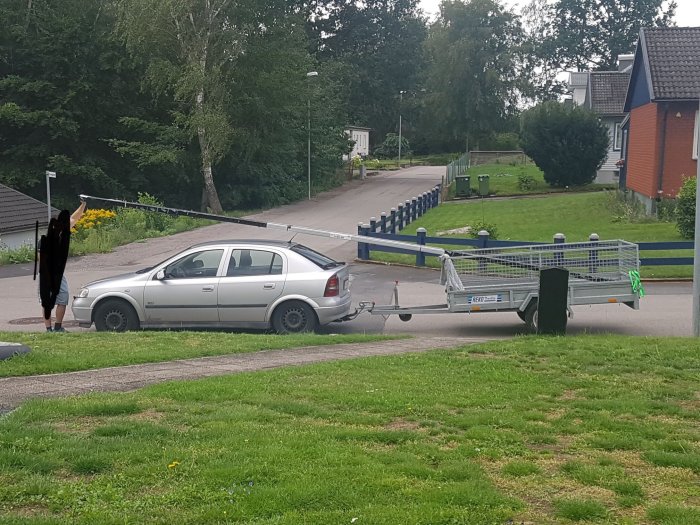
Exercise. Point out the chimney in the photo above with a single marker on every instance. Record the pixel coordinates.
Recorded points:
(624, 62)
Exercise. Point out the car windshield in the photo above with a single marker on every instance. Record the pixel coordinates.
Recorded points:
(318, 259)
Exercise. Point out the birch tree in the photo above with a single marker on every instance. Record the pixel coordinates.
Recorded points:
(188, 46)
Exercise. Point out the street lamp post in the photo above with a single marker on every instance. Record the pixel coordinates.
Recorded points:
(400, 104)
(49, 175)
(696, 253)
(308, 128)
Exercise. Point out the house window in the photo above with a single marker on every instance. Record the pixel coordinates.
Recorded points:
(696, 138)
(617, 138)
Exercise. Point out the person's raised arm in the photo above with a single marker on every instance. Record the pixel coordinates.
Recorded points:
(77, 214)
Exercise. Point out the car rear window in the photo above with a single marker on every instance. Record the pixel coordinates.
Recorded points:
(318, 259)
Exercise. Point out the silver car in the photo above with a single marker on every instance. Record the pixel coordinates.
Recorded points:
(226, 284)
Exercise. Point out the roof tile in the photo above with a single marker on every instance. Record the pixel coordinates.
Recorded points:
(608, 92)
(674, 62)
(19, 212)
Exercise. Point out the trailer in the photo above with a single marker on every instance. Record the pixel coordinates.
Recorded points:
(505, 279)
(508, 279)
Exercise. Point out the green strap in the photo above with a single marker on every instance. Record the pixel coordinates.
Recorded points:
(636, 283)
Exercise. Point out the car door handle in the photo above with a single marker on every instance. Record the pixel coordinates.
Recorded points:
(269, 286)
(207, 288)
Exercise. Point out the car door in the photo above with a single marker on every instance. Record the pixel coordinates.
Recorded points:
(253, 280)
(186, 295)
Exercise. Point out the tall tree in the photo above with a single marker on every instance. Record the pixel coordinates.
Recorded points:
(378, 44)
(64, 81)
(590, 34)
(188, 46)
(473, 78)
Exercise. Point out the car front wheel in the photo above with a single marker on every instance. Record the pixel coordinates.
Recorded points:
(115, 315)
(294, 317)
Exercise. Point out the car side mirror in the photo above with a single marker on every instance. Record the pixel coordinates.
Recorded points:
(160, 275)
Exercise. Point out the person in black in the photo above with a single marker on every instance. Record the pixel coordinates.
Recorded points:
(53, 254)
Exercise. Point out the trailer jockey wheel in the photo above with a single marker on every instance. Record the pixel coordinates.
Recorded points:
(405, 317)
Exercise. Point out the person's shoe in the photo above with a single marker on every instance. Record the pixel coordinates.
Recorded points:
(61, 329)
(49, 329)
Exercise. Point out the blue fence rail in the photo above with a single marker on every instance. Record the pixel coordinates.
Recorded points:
(398, 218)
(483, 241)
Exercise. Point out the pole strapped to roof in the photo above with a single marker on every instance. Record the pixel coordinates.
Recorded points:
(270, 225)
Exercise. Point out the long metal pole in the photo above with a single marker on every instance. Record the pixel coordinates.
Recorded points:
(48, 197)
(400, 104)
(308, 152)
(696, 260)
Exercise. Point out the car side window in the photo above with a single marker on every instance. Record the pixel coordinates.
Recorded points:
(194, 265)
(254, 262)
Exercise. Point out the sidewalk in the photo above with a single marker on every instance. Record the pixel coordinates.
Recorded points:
(16, 390)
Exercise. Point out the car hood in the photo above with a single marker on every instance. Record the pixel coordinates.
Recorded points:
(124, 278)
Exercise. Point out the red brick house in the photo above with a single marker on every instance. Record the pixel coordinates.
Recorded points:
(660, 133)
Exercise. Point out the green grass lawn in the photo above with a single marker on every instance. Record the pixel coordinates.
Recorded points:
(537, 219)
(53, 353)
(503, 180)
(533, 430)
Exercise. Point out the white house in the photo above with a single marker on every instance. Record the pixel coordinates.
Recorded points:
(18, 216)
(604, 93)
(360, 136)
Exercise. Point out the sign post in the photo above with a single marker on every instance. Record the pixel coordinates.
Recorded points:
(49, 175)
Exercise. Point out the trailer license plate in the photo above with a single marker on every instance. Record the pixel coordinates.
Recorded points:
(484, 299)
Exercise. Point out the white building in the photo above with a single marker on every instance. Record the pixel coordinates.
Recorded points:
(360, 136)
(18, 216)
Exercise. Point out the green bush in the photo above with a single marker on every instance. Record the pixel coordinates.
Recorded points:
(526, 182)
(157, 221)
(481, 225)
(568, 143)
(390, 147)
(685, 208)
(19, 255)
(625, 207)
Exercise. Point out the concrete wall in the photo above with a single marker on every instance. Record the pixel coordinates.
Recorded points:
(15, 240)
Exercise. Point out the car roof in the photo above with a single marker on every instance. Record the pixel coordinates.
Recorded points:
(247, 241)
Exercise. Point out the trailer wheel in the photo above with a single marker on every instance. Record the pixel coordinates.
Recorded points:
(530, 316)
(405, 317)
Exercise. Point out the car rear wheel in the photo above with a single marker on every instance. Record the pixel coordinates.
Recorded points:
(115, 315)
(294, 317)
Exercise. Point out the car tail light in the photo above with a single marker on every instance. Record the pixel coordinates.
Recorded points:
(332, 287)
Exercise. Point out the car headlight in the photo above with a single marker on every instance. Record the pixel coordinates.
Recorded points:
(83, 292)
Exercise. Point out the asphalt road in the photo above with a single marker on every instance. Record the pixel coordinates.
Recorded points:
(666, 310)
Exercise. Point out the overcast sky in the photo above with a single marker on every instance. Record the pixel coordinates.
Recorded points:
(687, 14)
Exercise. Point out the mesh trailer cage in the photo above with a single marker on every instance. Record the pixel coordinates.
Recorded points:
(595, 261)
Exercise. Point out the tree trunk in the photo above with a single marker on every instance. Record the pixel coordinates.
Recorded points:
(212, 195)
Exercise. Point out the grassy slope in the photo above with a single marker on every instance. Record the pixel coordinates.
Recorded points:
(537, 430)
(577, 215)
